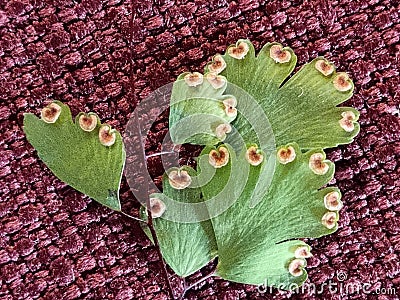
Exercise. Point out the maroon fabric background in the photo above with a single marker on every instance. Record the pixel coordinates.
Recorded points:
(57, 244)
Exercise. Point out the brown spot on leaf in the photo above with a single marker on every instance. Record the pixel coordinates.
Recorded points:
(286, 155)
(157, 207)
(239, 51)
(218, 158)
(342, 82)
(231, 102)
(217, 65)
(193, 79)
(332, 201)
(216, 81)
(107, 136)
(51, 112)
(296, 267)
(325, 67)
(317, 164)
(222, 130)
(230, 107)
(329, 219)
(254, 156)
(279, 55)
(347, 121)
(88, 122)
(179, 179)
(302, 252)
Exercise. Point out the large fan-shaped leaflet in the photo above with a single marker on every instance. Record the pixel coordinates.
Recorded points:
(301, 110)
(255, 245)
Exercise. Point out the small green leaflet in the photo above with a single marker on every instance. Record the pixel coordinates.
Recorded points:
(197, 109)
(301, 110)
(186, 247)
(256, 244)
(77, 157)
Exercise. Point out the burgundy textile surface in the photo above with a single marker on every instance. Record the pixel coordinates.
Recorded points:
(58, 244)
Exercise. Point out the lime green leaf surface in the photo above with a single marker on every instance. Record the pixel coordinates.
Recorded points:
(194, 117)
(197, 111)
(186, 247)
(268, 266)
(197, 120)
(77, 157)
(250, 240)
(303, 109)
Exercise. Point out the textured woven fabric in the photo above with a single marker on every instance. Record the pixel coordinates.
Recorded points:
(57, 244)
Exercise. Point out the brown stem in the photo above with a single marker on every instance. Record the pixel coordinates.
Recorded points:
(157, 246)
(150, 219)
(149, 224)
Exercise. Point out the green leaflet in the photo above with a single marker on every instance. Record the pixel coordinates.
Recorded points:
(197, 112)
(253, 244)
(77, 157)
(303, 109)
(268, 266)
(186, 247)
